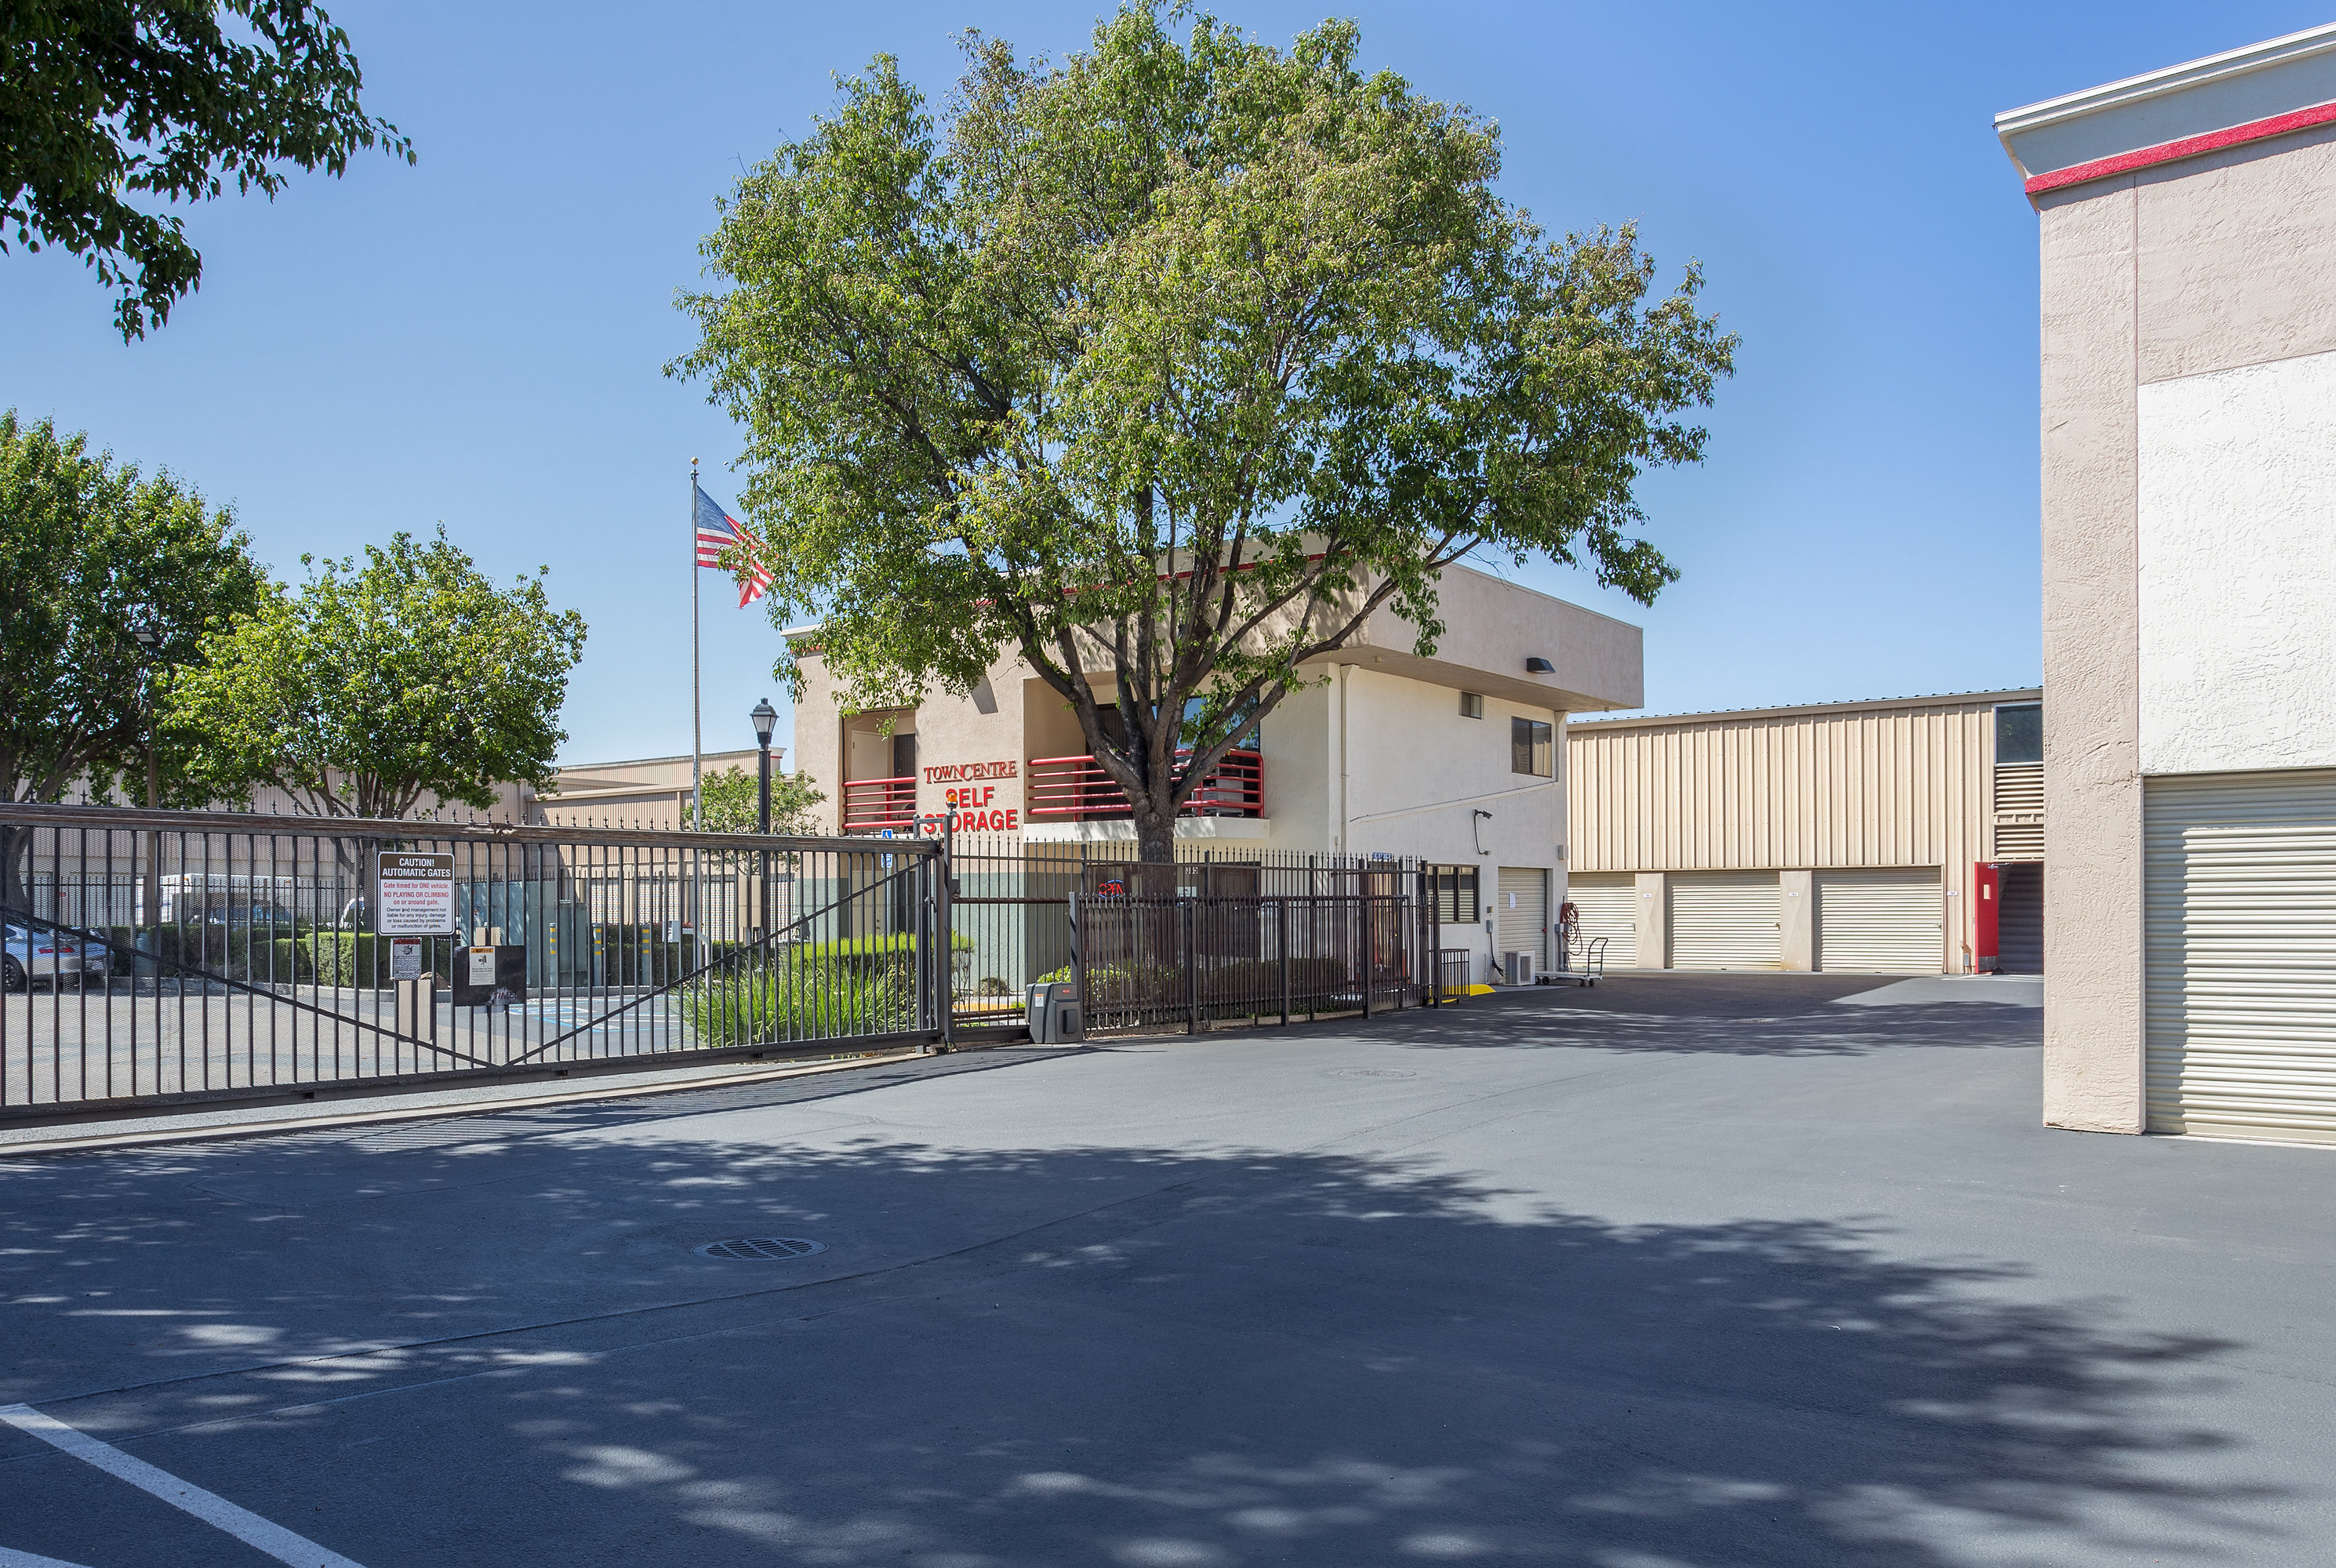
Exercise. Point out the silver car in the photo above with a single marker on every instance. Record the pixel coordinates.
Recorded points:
(28, 955)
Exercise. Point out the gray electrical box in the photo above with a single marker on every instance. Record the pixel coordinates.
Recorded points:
(1054, 1017)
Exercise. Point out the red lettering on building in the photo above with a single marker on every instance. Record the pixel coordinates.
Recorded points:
(953, 772)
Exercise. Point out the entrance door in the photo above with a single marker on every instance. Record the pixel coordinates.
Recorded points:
(1521, 914)
(2239, 883)
(1726, 920)
(2020, 918)
(1888, 919)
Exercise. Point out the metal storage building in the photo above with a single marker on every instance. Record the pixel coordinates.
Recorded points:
(1866, 836)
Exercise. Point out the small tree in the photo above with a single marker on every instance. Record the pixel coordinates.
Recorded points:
(732, 801)
(373, 685)
(104, 102)
(1165, 367)
(91, 554)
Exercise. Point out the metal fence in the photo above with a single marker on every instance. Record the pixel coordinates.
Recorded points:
(156, 957)
(1203, 940)
(152, 957)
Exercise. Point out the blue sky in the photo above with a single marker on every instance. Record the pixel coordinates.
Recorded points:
(478, 339)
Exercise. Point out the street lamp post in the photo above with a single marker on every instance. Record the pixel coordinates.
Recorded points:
(766, 718)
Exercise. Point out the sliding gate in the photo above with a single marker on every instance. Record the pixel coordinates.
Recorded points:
(160, 956)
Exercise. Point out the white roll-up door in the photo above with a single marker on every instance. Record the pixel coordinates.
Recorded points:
(1726, 920)
(1520, 912)
(2239, 873)
(1607, 905)
(1886, 918)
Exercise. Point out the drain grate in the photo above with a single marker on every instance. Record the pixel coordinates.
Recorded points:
(763, 1247)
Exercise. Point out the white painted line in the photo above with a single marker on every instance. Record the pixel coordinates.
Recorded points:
(241, 1523)
(12, 1558)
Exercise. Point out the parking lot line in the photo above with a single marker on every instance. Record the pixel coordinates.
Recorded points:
(216, 1510)
(11, 1558)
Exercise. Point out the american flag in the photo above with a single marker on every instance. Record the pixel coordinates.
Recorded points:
(717, 530)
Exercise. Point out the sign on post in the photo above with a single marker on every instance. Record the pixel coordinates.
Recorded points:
(405, 958)
(417, 894)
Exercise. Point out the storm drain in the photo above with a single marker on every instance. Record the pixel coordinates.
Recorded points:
(763, 1247)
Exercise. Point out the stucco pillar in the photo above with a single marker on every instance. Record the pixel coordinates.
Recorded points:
(1797, 919)
(1654, 933)
(2093, 1006)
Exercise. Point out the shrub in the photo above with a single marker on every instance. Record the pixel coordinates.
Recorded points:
(804, 995)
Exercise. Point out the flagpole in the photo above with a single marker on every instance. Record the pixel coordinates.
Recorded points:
(696, 719)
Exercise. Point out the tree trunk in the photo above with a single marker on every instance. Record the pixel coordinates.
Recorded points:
(1155, 835)
(16, 844)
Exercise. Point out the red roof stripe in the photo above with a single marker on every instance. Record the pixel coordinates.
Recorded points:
(2189, 147)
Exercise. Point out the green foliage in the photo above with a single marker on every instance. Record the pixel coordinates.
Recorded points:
(731, 800)
(805, 993)
(1175, 360)
(90, 549)
(106, 101)
(372, 684)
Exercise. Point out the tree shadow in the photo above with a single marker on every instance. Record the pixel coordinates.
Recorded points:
(1075, 1354)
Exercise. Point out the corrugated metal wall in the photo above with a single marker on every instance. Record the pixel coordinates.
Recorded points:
(1872, 787)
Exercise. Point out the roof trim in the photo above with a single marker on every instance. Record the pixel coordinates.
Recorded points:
(1869, 705)
(2171, 79)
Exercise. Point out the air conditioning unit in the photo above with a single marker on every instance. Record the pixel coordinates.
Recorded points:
(1518, 968)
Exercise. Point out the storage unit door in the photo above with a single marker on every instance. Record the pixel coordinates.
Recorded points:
(1608, 906)
(1888, 918)
(2239, 878)
(2020, 918)
(1726, 920)
(1520, 912)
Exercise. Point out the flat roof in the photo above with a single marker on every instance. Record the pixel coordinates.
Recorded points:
(1942, 699)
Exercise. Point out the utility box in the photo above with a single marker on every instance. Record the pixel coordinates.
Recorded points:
(489, 973)
(1518, 968)
(1054, 1017)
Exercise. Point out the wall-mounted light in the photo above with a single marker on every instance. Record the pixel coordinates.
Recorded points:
(1539, 666)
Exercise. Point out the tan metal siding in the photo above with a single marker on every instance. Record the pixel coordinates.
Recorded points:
(2018, 812)
(1889, 787)
(2239, 918)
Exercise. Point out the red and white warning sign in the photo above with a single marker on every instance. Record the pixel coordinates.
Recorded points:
(417, 894)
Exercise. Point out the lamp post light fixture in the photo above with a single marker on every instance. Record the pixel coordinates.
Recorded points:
(766, 718)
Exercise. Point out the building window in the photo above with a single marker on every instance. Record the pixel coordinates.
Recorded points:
(2019, 732)
(1472, 705)
(1533, 747)
(1454, 889)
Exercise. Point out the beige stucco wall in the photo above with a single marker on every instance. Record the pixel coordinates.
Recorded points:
(2184, 269)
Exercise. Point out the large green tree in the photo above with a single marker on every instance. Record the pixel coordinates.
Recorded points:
(104, 103)
(373, 683)
(1165, 367)
(92, 554)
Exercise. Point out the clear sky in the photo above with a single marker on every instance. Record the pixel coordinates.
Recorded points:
(478, 339)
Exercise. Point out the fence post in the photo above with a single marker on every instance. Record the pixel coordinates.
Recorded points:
(1191, 967)
(1285, 963)
(1078, 956)
(1363, 917)
(943, 868)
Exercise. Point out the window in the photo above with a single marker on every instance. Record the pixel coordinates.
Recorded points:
(1454, 889)
(2019, 732)
(1533, 747)
(1472, 705)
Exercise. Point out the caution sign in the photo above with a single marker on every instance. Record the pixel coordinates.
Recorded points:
(405, 958)
(417, 894)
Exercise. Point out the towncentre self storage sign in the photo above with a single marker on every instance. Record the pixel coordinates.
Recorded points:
(417, 894)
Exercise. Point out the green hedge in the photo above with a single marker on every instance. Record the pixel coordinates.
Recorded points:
(804, 995)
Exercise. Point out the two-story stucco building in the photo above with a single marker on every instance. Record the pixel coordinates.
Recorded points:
(1455, 759)
(2188, 222)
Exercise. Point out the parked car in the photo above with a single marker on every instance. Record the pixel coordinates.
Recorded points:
(28, 954)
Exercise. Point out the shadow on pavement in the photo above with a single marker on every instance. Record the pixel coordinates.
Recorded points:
(1217, 1360)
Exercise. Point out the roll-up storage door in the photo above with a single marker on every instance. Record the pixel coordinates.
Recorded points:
(1520, 912)
(2020, 918)
(1608, 906)
(2239, 880)
(1726, 920)
(1884, 919)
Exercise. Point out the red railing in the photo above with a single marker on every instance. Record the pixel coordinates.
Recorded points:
(1076, 789)
(872, 805)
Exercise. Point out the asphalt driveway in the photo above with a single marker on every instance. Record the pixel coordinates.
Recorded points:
(1688, 1270)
